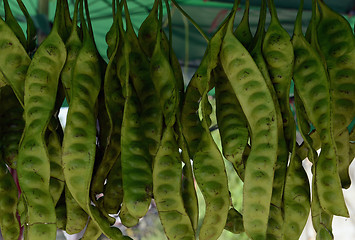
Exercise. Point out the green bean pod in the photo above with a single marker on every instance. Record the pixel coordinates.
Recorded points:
(296, 202)
(337, 43)
(232, 124)
(151, 112)
(344, 160)
(136, 166)
(33, 165)
(164, 82)
(92, 231)
(211, 177)
(278, 52)
(73, 45)
(242, 32)
(256, 101)
(317, 213)
(296, 199)
(147, 37)
(12, 124)
(135, 159)
(79, 143)
(54, 148)
(190, 121)
(9, 225)
(114, 103)
(126, 218)
(61, 212)
(14, 60)
(275, 228)
(76, 216)
(311, 82)
(148, 30)
(113, 191)
(234, 222)
(167, 189)
(189, 194)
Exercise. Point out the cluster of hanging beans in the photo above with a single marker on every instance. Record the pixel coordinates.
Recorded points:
(134, 133)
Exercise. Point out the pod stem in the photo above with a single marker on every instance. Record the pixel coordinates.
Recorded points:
(88, 19)
(298, 23)
(170, 30)
(191, 20)
(273, 12)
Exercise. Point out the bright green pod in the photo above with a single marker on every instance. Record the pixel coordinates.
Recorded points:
(234, 222)
(92, 231)
(242, 32)
(167, 173)
(9, 225)
(275, 217)
(278, 53)
(296, 198)
(147, 37)
(114, 103)
(190, 121)
(76, 216)
(337, 43)
(211, 177)
(136, 166)
(61, 212)
(151, 112)
(113, 191)
(296, 201)
(257, 103)
(126, 218)
(189, 194)
(79, 143)
(54, 148)
(208, 166)
(343, 154)
(317, 212)
(135, 159)
(33, 165)
(14, 60)
(73, 45)
(311, 81)
(164, 82)
(232, 124)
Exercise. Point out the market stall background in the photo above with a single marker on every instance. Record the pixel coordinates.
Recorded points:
(190, 46)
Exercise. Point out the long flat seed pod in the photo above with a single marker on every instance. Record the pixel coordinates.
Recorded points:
(311, 82)
(167, 189)
(257, 103)
(33, 161)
